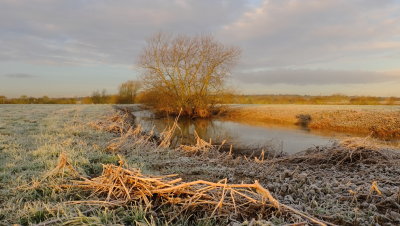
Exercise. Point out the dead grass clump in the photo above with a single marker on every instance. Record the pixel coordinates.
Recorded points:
(119, 122)
(201, 145)
(129, 135)
(133, 137)
(63, 167)
(168, 134)
(348, 151)
(121, 186)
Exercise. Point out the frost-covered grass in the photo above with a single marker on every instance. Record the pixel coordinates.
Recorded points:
(32, 137)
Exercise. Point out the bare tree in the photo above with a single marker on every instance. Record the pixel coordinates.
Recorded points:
(186, 72)
(128, 92)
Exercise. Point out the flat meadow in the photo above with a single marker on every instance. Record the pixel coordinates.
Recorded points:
(91, 164)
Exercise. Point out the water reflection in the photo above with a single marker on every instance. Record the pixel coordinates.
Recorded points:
(253, 137)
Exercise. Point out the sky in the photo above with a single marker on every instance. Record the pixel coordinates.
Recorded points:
(66, 48)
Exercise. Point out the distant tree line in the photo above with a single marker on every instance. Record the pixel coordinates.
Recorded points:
(101, 97)
(37, 100)
(336, 99)
(127, 94)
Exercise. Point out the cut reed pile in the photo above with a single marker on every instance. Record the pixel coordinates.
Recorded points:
(347, 151)
(120, 186)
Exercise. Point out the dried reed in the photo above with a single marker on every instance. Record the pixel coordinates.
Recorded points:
(132, 137)
(201, 145)
(168, 133)
(62, 166)
(115, 123)
(121, 186)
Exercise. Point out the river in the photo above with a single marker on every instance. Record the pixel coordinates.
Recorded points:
(251, 136)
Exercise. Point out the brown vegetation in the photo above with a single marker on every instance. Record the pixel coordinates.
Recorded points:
(121, 185)
(346, 152)
(186, 73)
(375, 121)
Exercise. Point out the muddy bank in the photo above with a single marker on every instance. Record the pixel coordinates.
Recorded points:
(378, 121)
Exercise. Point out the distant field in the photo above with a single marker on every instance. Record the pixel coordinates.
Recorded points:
(379, 121)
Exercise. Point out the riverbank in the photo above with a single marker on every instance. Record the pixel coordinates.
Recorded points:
(45, 149)
(377, 121)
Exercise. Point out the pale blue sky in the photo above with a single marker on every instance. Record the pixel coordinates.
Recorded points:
(72, 47)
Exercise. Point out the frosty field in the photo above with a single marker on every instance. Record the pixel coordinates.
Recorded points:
(45, 149)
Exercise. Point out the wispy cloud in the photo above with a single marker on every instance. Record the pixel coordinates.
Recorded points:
(102, 32)
(299, 33)
(274, 33)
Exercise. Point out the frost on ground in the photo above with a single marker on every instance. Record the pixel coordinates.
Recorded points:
(355, 189)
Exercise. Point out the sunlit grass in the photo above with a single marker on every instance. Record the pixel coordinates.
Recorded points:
(378, 121)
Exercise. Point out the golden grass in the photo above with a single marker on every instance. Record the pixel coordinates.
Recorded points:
(382, 122)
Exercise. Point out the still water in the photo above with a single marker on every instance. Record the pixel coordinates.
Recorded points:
(256, 136)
